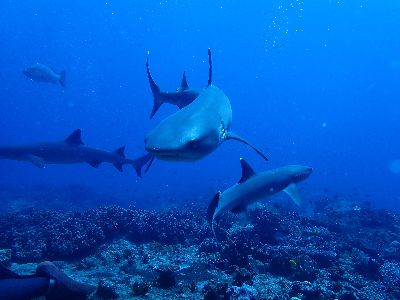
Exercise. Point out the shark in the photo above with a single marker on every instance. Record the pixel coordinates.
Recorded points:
(71, 151)
(197, 129)
(253, 187)
(42, 73)
(183, 96)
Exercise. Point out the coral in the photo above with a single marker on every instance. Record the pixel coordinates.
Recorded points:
(245, 292)
(140, 288)
(337, 253)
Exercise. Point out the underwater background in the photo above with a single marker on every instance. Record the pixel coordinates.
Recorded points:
(315, 83)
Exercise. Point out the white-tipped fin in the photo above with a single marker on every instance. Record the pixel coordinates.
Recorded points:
(293, 193)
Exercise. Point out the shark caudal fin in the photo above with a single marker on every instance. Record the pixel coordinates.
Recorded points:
(62, 78)
(120, 152)
(233, 136)
(140, 162)
(211, 211)
(155, 90)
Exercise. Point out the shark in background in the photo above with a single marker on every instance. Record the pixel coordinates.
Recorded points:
(71, 151)
(197, 129)
(253, 187)
(42, 73)
(182, 97)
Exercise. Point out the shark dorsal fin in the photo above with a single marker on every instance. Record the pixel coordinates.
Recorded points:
(75, 138)
(184, 84)
(247, 171)
(209, 68)
(120, 151)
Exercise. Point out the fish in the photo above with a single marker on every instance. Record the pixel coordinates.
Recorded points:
(182, 97)
(71, 151)
(197, 129)
(253, 187)
(42, 73)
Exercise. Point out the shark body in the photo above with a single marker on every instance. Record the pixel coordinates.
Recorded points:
(182, 97)
(253, 187)
(197, 129)
(70, 151)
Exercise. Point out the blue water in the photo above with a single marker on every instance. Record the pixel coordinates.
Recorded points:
(314, 83)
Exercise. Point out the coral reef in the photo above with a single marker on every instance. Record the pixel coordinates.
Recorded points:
(277, 254)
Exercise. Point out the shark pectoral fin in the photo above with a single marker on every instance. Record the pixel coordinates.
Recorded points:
(211, 211)
(293, 193)
(37, 161)
(247, 171)
(118, 167)
(75, 138)
(233, 136)
(94, 163)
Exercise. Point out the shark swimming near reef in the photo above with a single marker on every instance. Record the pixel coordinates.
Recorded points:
(197, 129)
(42, 73)
(182, 97)
(253, 187)
(71, 151)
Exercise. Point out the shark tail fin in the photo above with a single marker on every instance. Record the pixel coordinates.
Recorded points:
(155, 90)
(209, 68)
(211, 210)
(140, 162)
(62, 78)
(233, 136)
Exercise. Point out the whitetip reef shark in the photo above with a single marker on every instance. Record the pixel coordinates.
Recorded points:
(181, 97)
(253, 187)
(71, 151)
(197, 129)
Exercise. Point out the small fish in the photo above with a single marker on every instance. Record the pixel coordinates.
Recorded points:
(42, 73)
